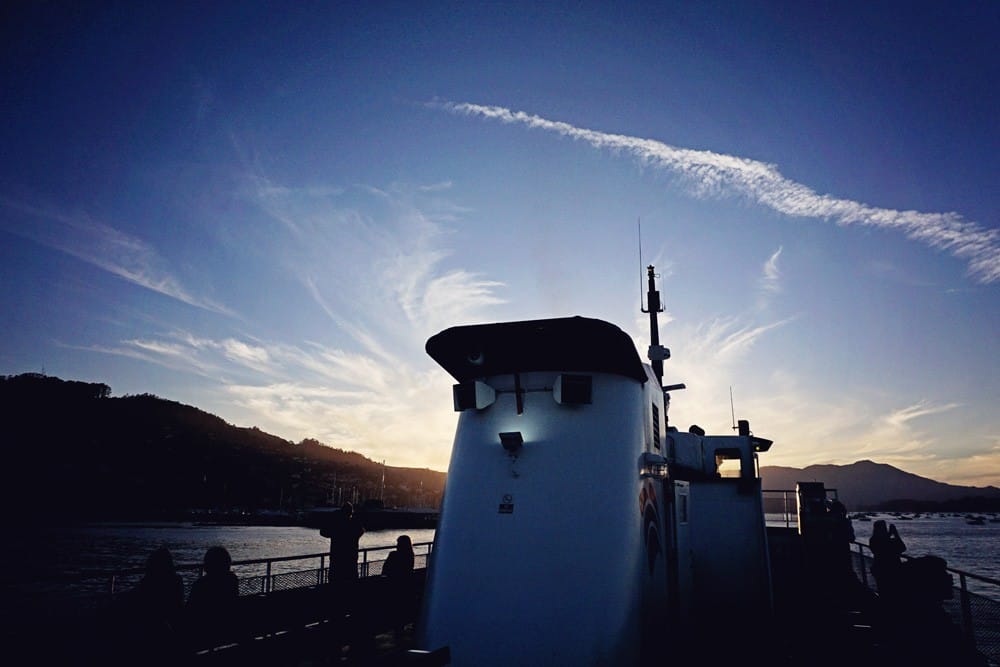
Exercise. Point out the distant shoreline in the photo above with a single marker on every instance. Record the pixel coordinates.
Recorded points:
(381, 520)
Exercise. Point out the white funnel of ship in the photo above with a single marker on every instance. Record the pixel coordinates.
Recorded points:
(550, 548)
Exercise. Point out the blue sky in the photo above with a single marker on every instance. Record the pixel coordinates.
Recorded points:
(265, 209)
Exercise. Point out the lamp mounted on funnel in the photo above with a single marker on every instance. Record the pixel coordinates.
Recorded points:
(512, 442)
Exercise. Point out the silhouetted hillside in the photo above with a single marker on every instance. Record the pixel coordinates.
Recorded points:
(866, 485)
(73, 451)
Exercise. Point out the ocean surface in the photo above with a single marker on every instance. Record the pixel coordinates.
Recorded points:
(970, 548)
(67, 555)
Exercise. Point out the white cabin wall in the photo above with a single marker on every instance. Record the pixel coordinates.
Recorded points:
(729, 549)
(560, 579)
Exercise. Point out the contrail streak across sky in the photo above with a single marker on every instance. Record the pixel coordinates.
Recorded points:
(720, 175)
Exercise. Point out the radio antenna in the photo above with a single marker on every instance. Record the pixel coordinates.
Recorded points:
(639, 224)
(732, 408)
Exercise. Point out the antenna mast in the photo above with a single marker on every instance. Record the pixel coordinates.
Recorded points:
(638, 222)
(732, 407)
(656, 353)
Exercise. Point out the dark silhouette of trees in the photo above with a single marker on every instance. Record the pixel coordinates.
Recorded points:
(73, 451)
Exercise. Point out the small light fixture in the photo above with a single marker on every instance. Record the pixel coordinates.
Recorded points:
(653, 466)
(512, 441)
(573, 389)
(469, 395)
(658, 353)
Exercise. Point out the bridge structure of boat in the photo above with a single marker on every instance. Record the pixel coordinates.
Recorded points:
(580, 527)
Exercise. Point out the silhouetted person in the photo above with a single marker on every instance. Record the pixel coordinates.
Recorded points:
(398, 570)
(843, 535)
(212, 602)
(887, 547)
(344, 531)
(154, 611)
(159, 596)
(399, 565)
(913, 591)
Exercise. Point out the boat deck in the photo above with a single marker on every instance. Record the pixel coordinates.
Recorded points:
(818, 620)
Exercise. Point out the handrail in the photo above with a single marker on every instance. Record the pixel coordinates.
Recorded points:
(964, 573)
(114, 576)
(975, 613)
(188, 567)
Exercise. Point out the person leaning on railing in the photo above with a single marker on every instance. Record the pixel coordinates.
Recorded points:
(211, 604)
(398, 570)
(887, 548)
(149, 618)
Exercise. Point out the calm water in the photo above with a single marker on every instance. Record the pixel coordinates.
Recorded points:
(67, 552)
(974, 549)
(115, 546)
(49, 559)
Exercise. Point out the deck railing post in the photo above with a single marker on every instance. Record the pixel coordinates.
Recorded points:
(862, 566)
(364, 563)
(267, 579)
(963, 594)
(322, 569)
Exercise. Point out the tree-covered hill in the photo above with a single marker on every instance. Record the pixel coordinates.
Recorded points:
(74, 451)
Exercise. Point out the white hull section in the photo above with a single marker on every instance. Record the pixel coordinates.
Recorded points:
(541, 554)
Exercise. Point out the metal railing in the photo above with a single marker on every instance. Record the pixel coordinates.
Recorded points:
(977, 614)
(784, 503)
(85, 593)
(265, 575)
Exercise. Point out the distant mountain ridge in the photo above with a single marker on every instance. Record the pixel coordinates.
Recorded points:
(73, 451)
(866, 485)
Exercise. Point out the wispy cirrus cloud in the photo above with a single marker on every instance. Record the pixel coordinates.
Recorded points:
(894, 438)
(712, 174)
(814, 425)
(712, 361)
(899, 417)
(811, 423)
(158, 352)
(725, 339)
(394, 236)
(365, 401)
(770, 280)
(128, 257)
(376, 262)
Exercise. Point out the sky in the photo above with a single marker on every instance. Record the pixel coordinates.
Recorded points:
(265, 210)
